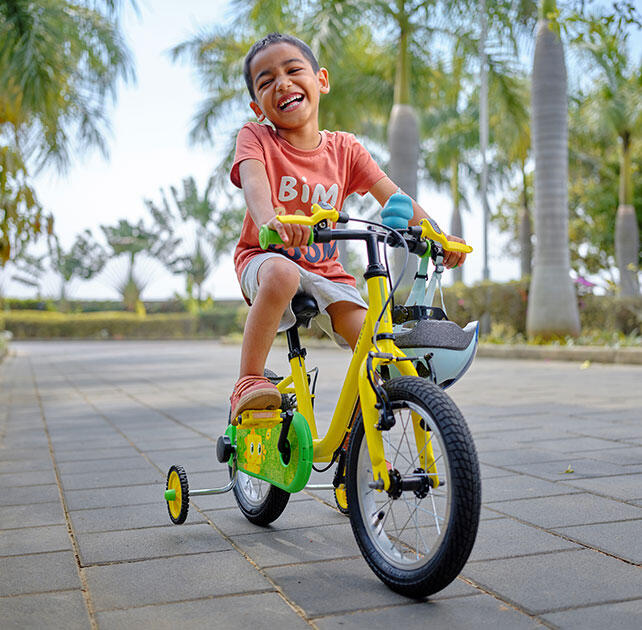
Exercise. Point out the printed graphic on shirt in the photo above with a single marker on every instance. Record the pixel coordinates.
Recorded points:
(289, 190)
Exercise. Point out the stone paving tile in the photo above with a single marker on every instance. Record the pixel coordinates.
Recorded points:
(299, 545)
(40, 572)
(304, 512)
(13, 454)
(613, 538)
(629, 456)
(34, 540)
(544, 583)
(28, 495)
(28, 478)
(568, 510)
(520, 455)
(104, 465)
(19, 516)
(62, 609)
(521, 487)
(480, 611)
(583, 468)
(626, 488)
(142, 544)
(9, 466)
(111, 479)
(620, 616)
(91, 454)
(126, 517)
(240, 612)
(114, 497)
(175, 579)
(505, 538)
(337, 586)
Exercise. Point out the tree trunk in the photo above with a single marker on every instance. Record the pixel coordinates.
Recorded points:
(525, 231)
(403, 144)
(552, 306)
(627, 236)
(456, 226)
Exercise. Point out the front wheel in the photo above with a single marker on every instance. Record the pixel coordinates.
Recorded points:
(417, 540)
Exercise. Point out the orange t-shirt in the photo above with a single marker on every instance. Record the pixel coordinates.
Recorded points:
(298, 179)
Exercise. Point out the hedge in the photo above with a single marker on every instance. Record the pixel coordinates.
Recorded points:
(115, 325)
(505, 302)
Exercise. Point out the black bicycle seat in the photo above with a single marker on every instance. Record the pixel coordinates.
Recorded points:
(304, 307)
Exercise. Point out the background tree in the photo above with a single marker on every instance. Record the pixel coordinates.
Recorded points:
(617, 104)
(209, 228)
(60, 62)
(84, 259)
(552, 307)
(135, 241)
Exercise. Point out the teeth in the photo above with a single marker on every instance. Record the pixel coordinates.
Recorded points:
(290, 100)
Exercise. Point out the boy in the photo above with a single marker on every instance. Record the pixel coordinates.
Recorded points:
(284, 170)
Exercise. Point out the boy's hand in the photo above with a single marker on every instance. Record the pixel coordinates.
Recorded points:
(291, 234)
(454, 259)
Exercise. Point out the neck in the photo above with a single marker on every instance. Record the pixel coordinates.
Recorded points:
(302, 137)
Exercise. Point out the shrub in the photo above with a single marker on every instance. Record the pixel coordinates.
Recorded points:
(108, 325)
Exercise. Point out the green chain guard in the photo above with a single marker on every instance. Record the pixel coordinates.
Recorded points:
(257, 453)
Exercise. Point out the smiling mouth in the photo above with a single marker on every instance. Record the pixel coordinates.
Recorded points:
(290, 102)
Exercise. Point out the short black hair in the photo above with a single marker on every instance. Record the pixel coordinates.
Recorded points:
(269, 40)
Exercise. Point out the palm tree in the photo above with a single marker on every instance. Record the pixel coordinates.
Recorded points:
(84, 259)
(131, 240)
(60, 62)
(552, 307)
(620, 101)
(209, 227)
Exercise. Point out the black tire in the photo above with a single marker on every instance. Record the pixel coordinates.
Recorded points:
(260, 502)
(417, 543)
(179, 506)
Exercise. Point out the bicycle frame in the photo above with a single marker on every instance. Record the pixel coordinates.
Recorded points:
(356, 380)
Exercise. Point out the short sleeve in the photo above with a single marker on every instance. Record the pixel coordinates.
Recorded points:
(248, 147)
(364, 171)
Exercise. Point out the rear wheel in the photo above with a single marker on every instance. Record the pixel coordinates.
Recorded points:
(417, 539)
(259, 501)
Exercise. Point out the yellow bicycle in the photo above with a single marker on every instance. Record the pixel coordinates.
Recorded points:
(406, 465)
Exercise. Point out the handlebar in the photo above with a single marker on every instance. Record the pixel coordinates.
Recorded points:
(429, 229)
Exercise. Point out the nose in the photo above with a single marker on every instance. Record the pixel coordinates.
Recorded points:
(283, 82)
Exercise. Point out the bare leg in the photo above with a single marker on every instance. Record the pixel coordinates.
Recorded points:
(278, 282)
(347, 320)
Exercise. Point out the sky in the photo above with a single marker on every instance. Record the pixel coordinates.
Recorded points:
(149, 150)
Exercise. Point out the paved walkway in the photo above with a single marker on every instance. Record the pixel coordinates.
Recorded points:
(88, 430)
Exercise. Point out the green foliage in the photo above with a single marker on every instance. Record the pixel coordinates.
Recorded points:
(118, 325)
(222, 319)
(605, 316)
(20, 211)
(201, 227)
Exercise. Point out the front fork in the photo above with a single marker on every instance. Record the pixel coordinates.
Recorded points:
(371, 413)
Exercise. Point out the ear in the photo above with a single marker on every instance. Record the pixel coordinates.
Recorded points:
(324, 81)
(257, 110)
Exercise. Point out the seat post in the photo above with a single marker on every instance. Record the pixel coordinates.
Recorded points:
(294, 342)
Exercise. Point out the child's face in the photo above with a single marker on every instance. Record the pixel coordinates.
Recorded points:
(287, 88)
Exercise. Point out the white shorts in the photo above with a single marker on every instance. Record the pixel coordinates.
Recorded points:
(324, 291)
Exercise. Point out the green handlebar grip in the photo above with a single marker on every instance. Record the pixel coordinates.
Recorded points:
(269, 237)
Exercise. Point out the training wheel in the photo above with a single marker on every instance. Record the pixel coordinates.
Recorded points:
(177, 494)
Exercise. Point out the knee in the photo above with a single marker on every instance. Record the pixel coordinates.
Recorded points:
(279, 278)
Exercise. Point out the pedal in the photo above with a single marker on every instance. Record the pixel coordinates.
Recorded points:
(258, 419)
